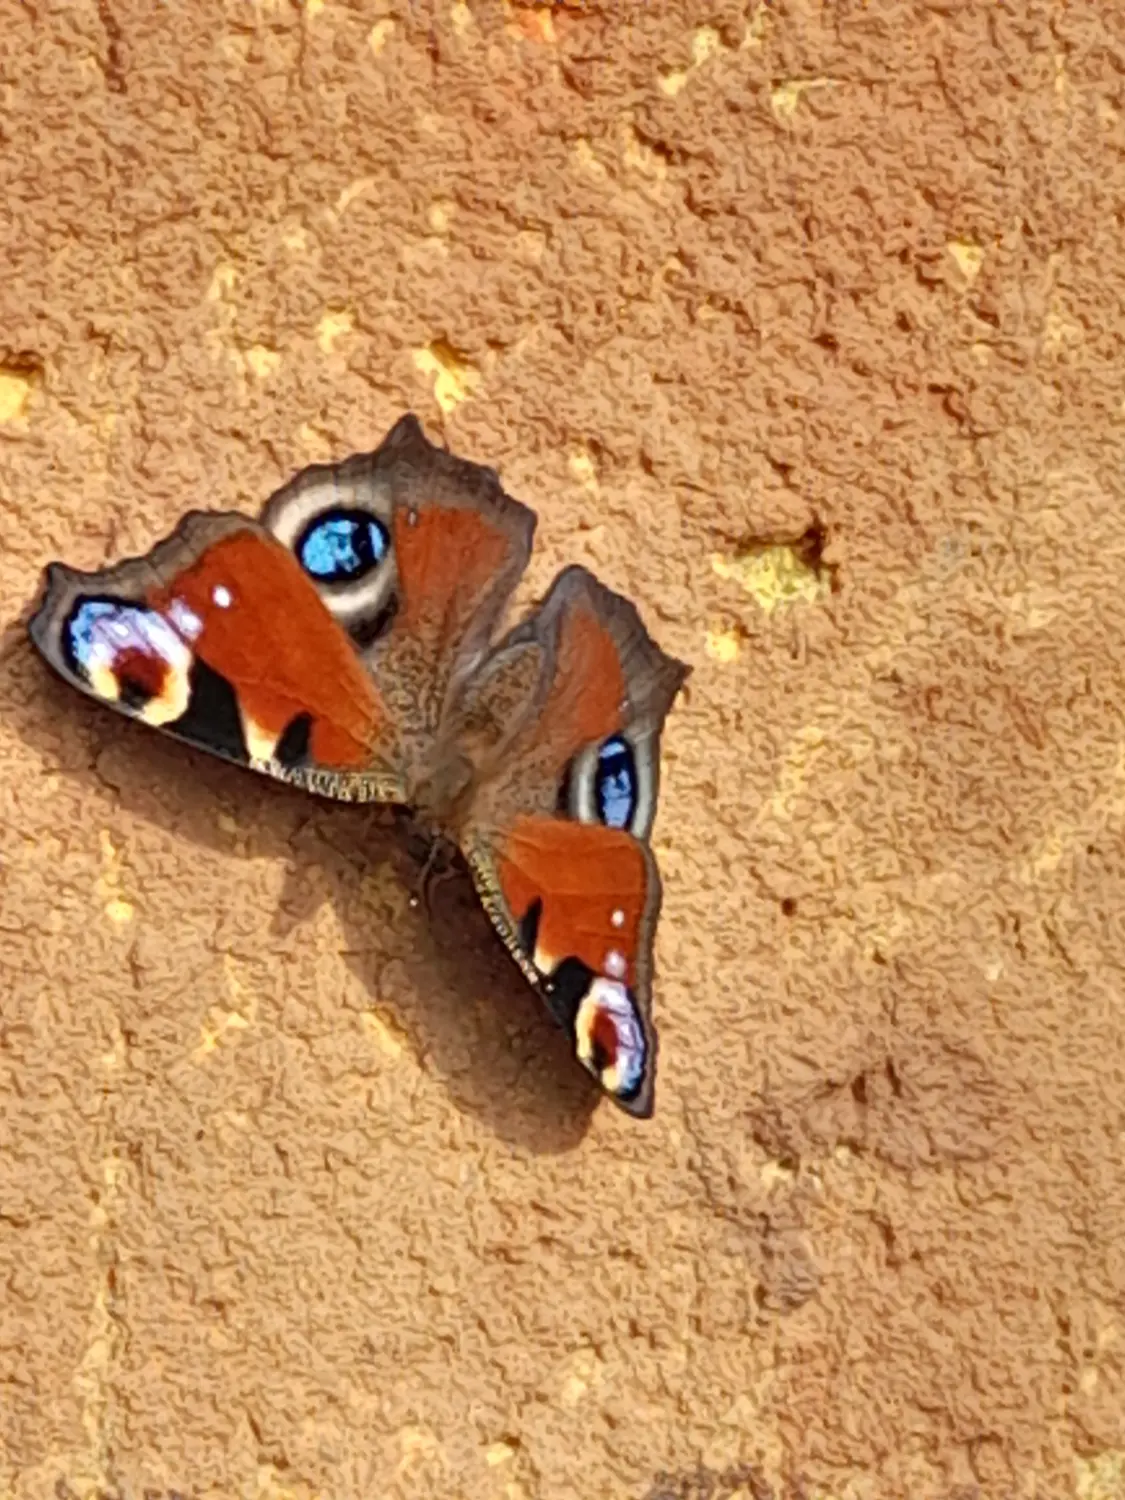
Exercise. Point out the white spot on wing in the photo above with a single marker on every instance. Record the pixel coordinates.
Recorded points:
(608, 997)
(185, 619)
(618, 918)
(221, 596)
(615, 965)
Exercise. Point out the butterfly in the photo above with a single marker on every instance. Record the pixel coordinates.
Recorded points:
(345, 642)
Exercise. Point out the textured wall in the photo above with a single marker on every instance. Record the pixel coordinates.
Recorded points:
(300, 1195)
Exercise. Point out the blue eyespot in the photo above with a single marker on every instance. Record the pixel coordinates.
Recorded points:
(615, 783)
(87, 623)
(341, 546)
(101, 633)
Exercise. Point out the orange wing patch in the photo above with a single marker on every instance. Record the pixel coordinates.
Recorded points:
(591, 883)
(248, 611)
(587, 699)
(446, 559)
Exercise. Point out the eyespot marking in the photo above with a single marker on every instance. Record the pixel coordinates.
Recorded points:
(609, 1039)
(615, 783)
(129, 655)
(342, 546)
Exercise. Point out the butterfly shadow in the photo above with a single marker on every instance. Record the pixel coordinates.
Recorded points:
(435, 973)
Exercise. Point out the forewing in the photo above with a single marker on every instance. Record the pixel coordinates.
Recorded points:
(220, 638)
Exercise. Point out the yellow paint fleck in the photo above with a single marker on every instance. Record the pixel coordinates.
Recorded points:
(262, 360)
(969, 258)
(530, 23)
(117, 909)
(416, 1443)
(15, 392)
(705, 44)
(461, 16)
(586, 158)
(269, 1486)
(217, 1027)
(315, 443)
(379, 35)
(296, 239)
(723, 645)
(224, 279)
(1102, 1477)
(440, 215)
(785, 99)
(672, 81)
(389, 1040)
(774, 1172)
(584, 470)
(220, 1023)
(354, 190)
(313, 8)
(333, 326)
(455, 377)
(1045, 856)
(499, 1453)
(581, 1373)
(757, 28)
(773, 576)
(1059, 331)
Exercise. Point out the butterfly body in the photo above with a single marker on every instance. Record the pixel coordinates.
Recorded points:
(346, 642)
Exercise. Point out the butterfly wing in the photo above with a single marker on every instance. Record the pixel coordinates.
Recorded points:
(318, 643)
(221, 639)
(557, 837)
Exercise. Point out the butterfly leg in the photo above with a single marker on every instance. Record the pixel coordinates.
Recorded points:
(438, 857)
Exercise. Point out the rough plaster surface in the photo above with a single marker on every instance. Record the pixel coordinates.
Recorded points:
(300, 1195)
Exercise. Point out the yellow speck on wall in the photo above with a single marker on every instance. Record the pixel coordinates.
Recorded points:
(584, 470)
(585, 157)
(1101, 1478)
(704, 44)
(15, 391)
(388, 1039)
(773, 576)
(332, 327)
(968, 257)
(787, 96)
(262, 361)
(379, 35)
(455, 377)
(722, 645)
(116, 907)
